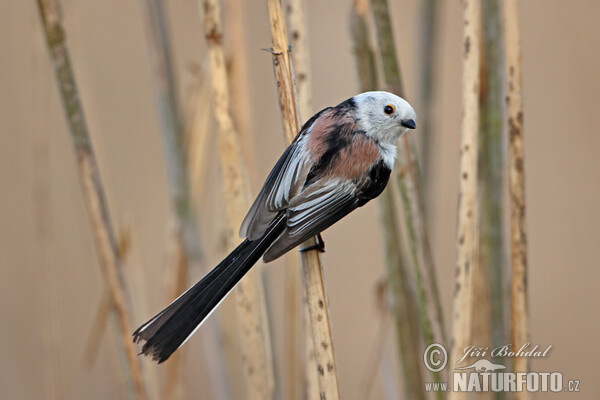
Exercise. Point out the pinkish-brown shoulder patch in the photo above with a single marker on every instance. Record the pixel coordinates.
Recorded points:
(321, 129)
(355, 159)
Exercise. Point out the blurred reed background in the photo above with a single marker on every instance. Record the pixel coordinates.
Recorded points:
(174, 93)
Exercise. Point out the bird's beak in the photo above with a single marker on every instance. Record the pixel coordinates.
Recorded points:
(409, 123)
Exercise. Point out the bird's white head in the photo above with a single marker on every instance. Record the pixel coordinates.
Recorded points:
(384, 116)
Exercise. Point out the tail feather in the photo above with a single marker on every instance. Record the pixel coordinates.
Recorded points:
(169, 329)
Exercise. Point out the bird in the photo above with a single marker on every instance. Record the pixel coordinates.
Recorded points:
(340, 160)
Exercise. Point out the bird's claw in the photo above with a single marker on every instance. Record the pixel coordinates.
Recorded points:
(319, 246)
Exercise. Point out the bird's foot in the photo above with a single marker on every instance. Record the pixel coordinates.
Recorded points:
(319, 246)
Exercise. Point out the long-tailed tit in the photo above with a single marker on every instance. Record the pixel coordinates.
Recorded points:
(341, 159)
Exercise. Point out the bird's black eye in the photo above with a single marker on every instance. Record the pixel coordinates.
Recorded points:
(389, 109)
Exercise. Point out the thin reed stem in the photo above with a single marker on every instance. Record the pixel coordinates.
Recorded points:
(516, 184)
(468, 236)
(198, 140)
(489, 286)
(171, 126)
(314, 284)
(257, 362)
(311, 376)
(404, 308)
(430, 309)
(93, 189)
(241, 100)
(186, 232)
(300, 58)
(429, 300)
(92, 344)
(364, 54)
(427, 60)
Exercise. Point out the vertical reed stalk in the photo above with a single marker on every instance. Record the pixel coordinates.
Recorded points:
(198, 141)
(429, 301)
(364, 55)
(170, 118)
(241, 113)
(92, 344)
(404, 309)
(432, 323)
(257, 362)
(488, 317)
(314, 284)
(197, 138)
(516, 184)
(467, 243)
(186, 235)
(93, 189)
(428, 36)
(238, 75)
(311, 377)
(300, 57)
(301, 68)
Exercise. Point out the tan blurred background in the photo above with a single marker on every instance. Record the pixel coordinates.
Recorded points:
(50, 289)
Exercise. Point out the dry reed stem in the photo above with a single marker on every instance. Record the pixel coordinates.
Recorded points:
(516, 184)
(256, 350)
(428, 38)
(489, 284)
(321, 328)
(300, 56)
(93, 189)
(197, 138)
(467, 243)
(283, 72)
(404, 308)
(364, 54)
(236, 57)
(301, 70)
(311, 376)
(165, 88)
(314, 284)
(220, 329)
(92, 344)
(186, 234)
(198, 141)
(432, 323)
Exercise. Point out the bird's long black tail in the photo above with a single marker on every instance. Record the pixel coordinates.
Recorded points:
(171, 327)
